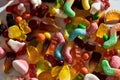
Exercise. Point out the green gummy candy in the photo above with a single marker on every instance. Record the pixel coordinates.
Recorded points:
(95, 16)
(68, 10)
(107, 69)
(111, 42)
(82, 26)
(105, 37)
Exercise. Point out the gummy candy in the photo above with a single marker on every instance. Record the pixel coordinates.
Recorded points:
(46, 75)
(64, 73)
(55, 71)
(10, 20)
(61, 41)
(40, 10)
(32, 72)
(2, 28)
(8, 61)
(24, 27)
(102, 30)
(94, 60)
(43, 65)
(78, 20)
(51, 59)
(14, 32)
(33, 54)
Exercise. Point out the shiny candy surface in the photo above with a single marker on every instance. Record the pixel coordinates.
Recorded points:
(59, 40)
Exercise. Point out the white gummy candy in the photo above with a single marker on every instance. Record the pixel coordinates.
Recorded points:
(91, 77)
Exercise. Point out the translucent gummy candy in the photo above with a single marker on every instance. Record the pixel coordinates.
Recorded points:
(14, 32)
(102, 30)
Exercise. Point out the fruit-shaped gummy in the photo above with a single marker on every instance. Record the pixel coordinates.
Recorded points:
(8, 61)
(14, 32)
(64, 73)
(102, 30)
(33, 54)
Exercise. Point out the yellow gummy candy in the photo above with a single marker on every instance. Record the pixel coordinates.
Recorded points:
(14, 32)
(80, 20)
(24, 27)
(102, 30)
(22, 37)
(64, 73)
(33, 54)
(55, 71)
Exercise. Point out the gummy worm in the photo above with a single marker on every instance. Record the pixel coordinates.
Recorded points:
(67, 8)
(92, 29)
(4, 7)
(107, 69)
(60, 37)
(67, 54)
(85, 4)
(113, 36)
(57, 52)
(77, 32)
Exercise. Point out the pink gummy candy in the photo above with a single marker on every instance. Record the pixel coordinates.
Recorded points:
(21, 66)
(2, 52)
(115, 62)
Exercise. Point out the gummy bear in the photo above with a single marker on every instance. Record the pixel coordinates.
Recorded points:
(102, 30)
(24, 27)
(14, 32)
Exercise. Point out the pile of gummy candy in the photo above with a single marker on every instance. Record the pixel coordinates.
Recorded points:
(61, 40)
